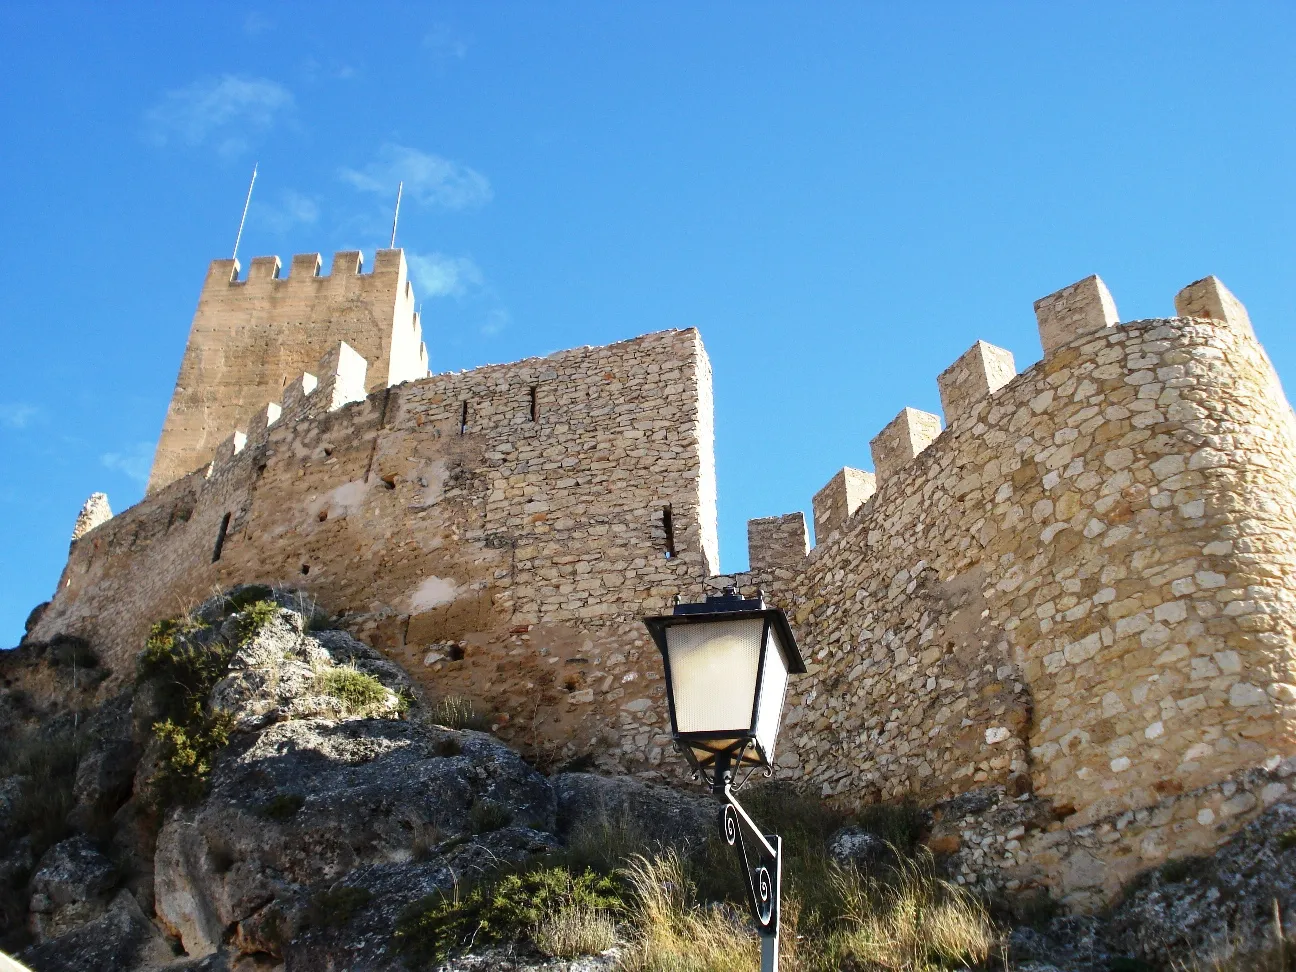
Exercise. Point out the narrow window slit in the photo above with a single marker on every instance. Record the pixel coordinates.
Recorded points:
(668, 525)
(463, 419)
(535, 405)
(220, 537)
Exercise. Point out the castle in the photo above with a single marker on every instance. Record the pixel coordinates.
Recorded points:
(1077, 597)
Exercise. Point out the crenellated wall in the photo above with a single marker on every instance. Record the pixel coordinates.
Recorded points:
(498, 531)
(1083, 589)
(1079, 596)
(250, 337)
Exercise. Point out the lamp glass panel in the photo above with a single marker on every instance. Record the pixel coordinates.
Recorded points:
(713, 673)
(774, 679)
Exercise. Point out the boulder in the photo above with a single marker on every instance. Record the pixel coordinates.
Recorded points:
(120, 938)
(655, 814)
(305, 803)
(71, 886)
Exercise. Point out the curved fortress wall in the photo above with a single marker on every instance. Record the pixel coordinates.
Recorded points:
(1078, 596)
(1083, 589)
(250, 337)
(498, 531)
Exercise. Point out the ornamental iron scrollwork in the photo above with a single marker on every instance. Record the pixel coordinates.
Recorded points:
(764, 878)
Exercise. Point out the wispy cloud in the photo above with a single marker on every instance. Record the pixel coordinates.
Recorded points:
(439, 275)
(17, 415)
(288, 210)
(443, 43)
(225, 112)
(134, 462)
(497, 319)
(255, 24)
(429, 179)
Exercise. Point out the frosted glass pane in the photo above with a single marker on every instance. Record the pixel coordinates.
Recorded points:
(713, 673)
(773, 688)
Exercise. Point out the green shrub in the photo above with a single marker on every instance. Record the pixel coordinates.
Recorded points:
(246, 595)
(183, 660)
(254, 618)
(48, 762)
(1180, 869)
(487, 816)
(455, 712)
(328, 909)
(899, 824)
(1287, 840)
(574, 931)
(284, 806)
(359, 692)
(508, 909)
(69, 651)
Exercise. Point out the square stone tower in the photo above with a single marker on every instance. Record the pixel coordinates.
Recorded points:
(251, 337)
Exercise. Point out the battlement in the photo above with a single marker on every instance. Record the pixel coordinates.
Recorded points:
(251, 337)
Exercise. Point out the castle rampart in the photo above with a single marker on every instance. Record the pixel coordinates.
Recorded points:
(498, 531)
(1080, 594)
(250, 337)
(1083, 589)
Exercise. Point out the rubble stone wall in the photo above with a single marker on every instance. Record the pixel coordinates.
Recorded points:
(498, 531)
(1083, 589)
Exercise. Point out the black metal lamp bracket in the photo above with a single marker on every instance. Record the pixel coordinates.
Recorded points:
(765, 879)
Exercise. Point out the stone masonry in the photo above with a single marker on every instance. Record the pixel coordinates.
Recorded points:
(251, 337)
(1078, 598)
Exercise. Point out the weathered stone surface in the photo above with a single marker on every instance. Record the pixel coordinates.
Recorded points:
(777, 541)
(120, 938)
(658, 814)
(71, 886)
(837, 502)
(980, 371)
(351, 794)
(906, 435)
(1081, 308)
(95, 511)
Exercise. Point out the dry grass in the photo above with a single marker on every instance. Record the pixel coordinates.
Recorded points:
(574, 931)
(910, 919)
(674, 933)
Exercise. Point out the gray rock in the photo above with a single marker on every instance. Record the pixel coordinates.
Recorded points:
(120, 938)
(306, 803)
(655, 814)
(858, 847)
(1199, 905)
(520, 960)
(71, 886)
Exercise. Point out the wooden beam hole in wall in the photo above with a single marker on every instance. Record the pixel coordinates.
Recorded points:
(668, 527)
(220, 537)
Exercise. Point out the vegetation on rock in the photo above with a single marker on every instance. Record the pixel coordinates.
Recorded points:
(359, 692)
(515, 907)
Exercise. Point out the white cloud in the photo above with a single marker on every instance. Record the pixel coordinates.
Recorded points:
(135, 462)
(17, 415)
(289, 210)
(429, 179)
(438, 275)
(255, 24)
(498, 319)
(225, 112)
(444, 43)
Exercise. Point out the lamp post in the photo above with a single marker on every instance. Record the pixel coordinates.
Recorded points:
(727, 662)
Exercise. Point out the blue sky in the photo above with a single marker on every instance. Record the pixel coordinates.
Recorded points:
(842, 197)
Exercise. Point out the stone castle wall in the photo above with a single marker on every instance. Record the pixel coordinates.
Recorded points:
(1083, 589)
(499, 532)
(1078, 596)
(250, 337)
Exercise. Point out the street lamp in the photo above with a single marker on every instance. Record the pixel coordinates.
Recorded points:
(727, 665)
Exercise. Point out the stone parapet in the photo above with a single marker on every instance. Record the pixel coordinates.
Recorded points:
(837, 502)
(1082, 308)
(777, 541)
(906, 435)
(979, 372)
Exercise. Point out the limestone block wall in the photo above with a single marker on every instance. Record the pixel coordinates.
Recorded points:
(1083, 588)
(250, 337)
(500, 532)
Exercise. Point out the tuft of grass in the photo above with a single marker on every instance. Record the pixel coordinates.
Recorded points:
(48, 762)
(1287, 840)
(573, 931)
(507, 909)
(245, 596)
(334, 907)
(899, 824)
(674, 932)
(604, 844)
(284, 806)
(907, 918)
(456, 712)
(487, 816)
(359, 692)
